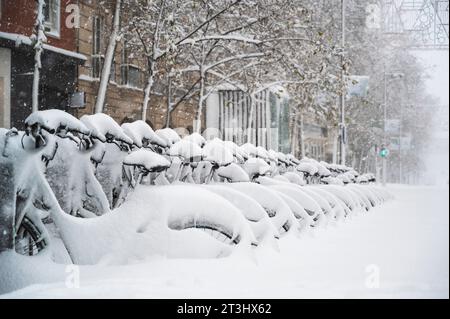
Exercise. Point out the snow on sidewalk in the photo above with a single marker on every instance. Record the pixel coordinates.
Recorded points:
(404, 242)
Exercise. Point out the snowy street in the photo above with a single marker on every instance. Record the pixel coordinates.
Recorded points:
(402, 246)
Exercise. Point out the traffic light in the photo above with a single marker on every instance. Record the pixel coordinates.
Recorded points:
(384, 152)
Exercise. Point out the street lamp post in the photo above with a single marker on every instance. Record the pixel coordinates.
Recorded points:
(385, 140)
(400, 158)
(385, 131)
(343, 90)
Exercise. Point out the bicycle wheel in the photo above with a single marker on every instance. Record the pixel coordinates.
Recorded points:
(29, 239)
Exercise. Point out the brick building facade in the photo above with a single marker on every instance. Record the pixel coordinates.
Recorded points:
(60, 60)
(72, 63)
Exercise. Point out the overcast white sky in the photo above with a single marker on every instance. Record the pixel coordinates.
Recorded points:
(438, 157)
(438, 64)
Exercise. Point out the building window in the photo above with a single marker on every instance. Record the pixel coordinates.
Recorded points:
(123, 68)
(97, 57)
(131, 75)
(1, 9)
(112, 75)
(134, 76)
(52, 17)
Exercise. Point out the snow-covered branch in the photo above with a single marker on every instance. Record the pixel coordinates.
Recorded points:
(238, 38)
(233, 58)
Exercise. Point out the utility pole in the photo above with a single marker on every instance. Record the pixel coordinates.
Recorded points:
(385, 137)
(343, 89)
(377, 169)
(384, 130)
(400, 155)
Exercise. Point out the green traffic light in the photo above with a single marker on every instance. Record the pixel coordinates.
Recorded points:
(384, 153)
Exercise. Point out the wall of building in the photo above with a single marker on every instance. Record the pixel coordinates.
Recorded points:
(58, 73)
(230, 113)
(19, 16)
(319, 140)
(123, 103)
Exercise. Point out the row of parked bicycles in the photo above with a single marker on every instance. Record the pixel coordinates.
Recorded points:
(99, 188)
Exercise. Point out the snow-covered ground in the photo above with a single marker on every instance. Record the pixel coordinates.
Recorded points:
(398, 250)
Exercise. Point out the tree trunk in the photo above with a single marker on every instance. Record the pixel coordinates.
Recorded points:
(250, 120)
(151, 63)
(293, 132)
(106, 70)
(198, 118)
(147, 93)
(335, 147)
(38, 48)
(301, 134)
(168, 118)
(36, 76)
(169, 102)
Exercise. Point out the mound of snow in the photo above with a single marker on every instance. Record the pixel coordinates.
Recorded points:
(168, 135)
(256, 215)
(308, 168)
(250, 149)
(282, 158)
(256, 166)
(323, 202)
(297, 193)
(292, 159)
(279, 212)
(273, 156)
(281, 179)
(233, 173)
(147, 159)
(304, 220)
(140, 132)
(339, 209)
(186, 150)
(344, 195)
(170, 221)
(332, 181)
(215, 152)
(322, 170)
(363, 179)
(307, 202)
(346, 179)
(237, 151)
(196, 138)
(106, 126)
(295, 178)
(52, 120)
(261, 152)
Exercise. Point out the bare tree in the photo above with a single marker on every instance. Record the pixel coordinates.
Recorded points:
(38, 39)
(109, 57)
